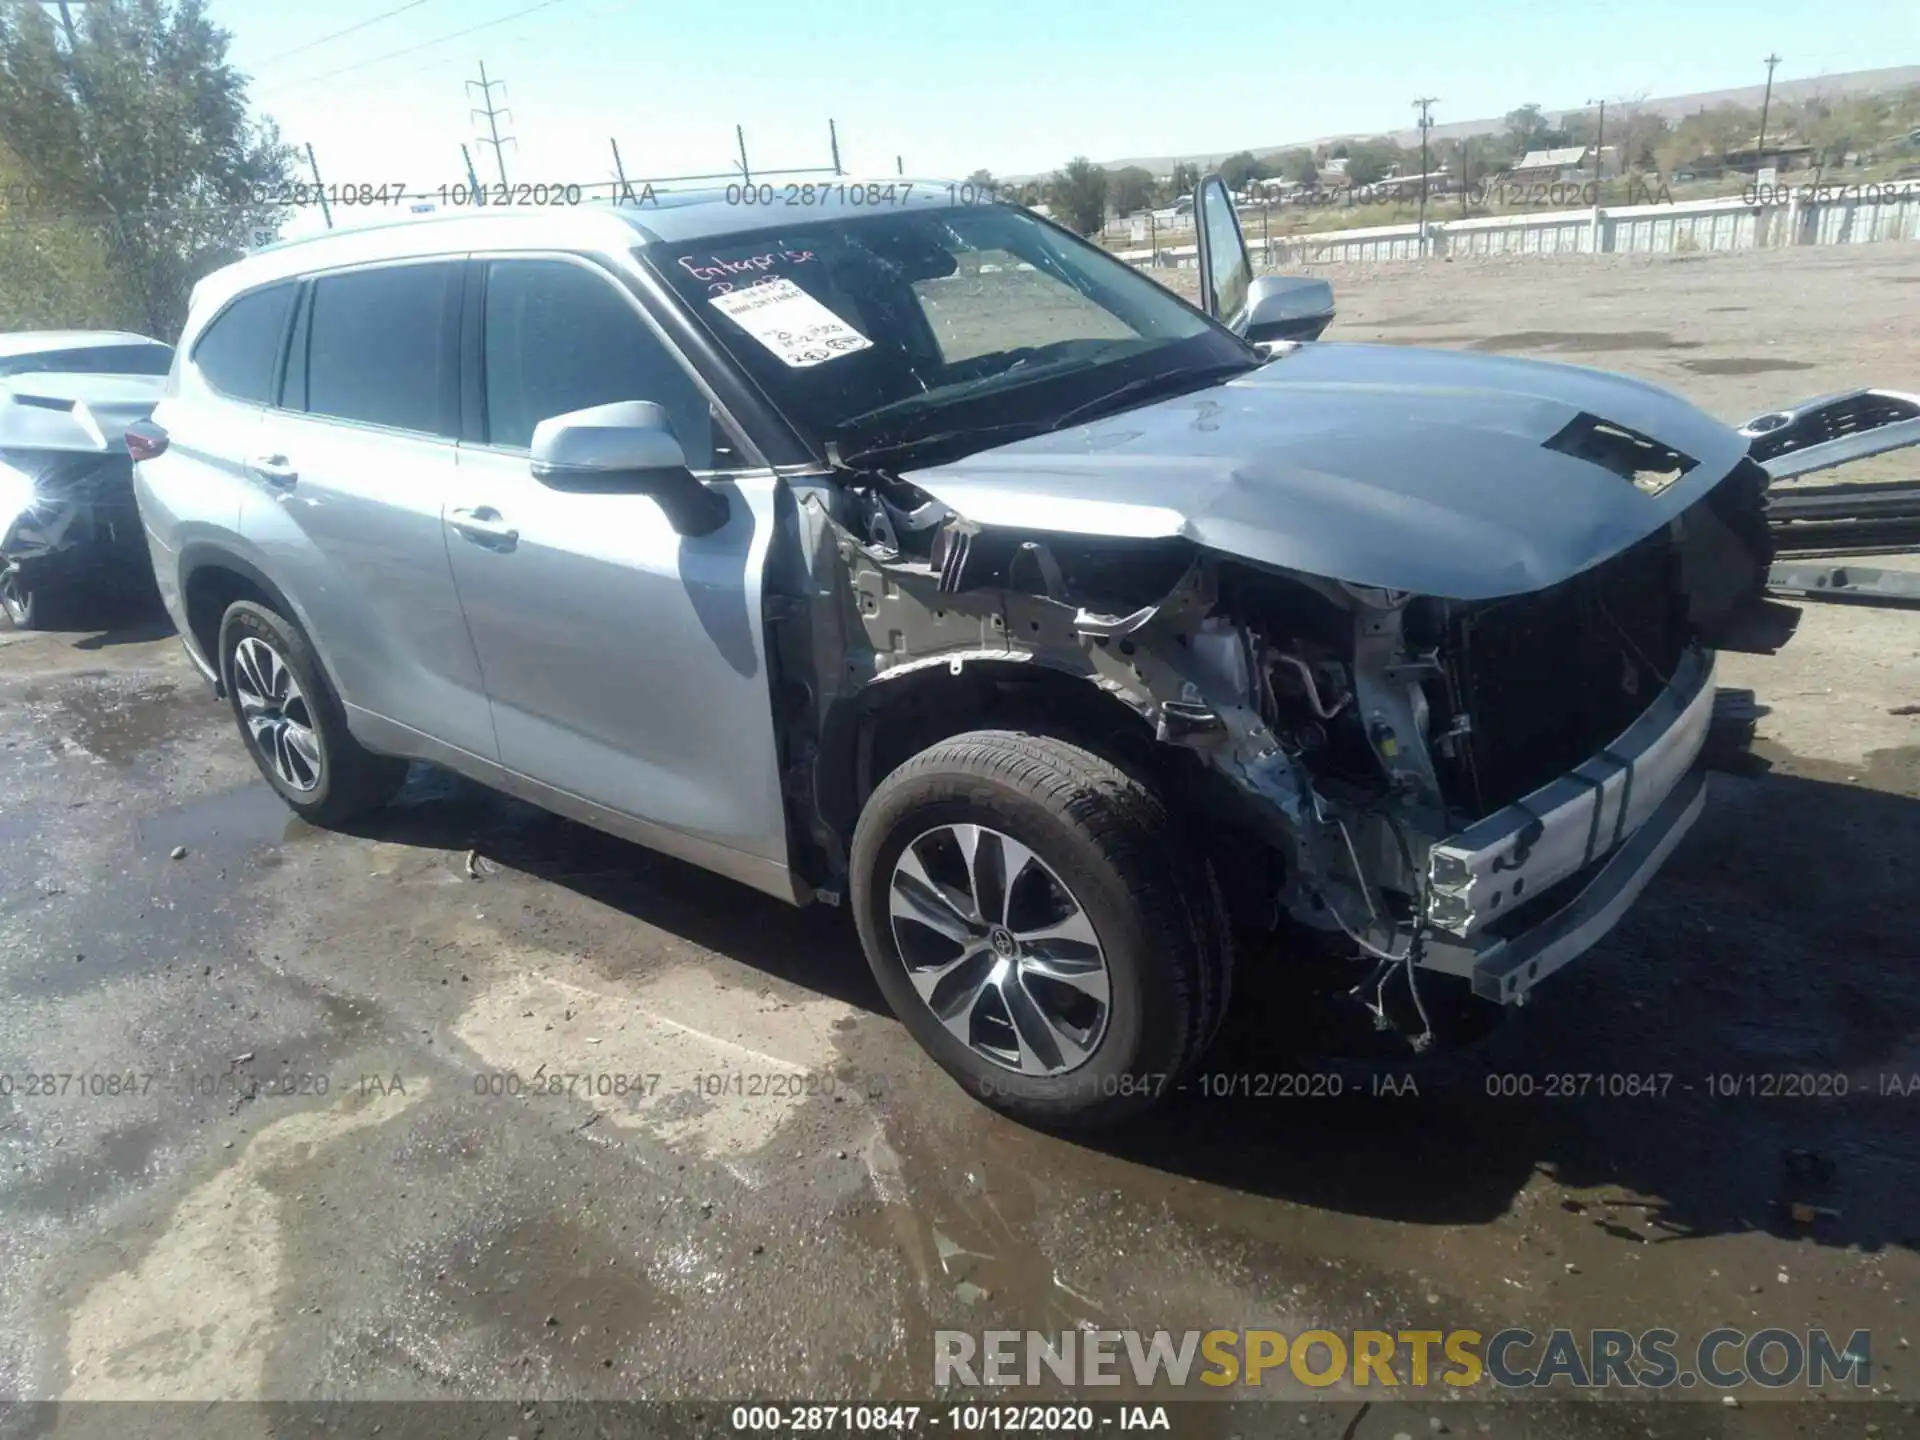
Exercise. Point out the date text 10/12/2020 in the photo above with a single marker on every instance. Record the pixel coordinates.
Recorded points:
(393, 194)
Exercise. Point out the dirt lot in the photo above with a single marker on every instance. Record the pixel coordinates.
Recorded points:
(314, 1185)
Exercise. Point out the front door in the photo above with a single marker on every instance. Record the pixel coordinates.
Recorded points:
(625, 662)
(1226, 271)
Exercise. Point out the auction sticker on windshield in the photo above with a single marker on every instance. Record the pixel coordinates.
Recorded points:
(791, 323)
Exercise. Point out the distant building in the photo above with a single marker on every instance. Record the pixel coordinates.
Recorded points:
(1783, 153)
(1439, 182)
(1568, 162)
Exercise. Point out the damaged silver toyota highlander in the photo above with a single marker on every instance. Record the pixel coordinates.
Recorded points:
(921, 555)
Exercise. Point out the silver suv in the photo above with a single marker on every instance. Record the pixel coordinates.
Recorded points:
(917, 552)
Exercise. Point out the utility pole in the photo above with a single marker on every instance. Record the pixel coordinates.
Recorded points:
(1772, 60)
(326, 210)
(620, 174)
(473, 180)
(1599, 145)
(1426, 104)
(899, 166)
(493, 114)
(833, 139)
(746, 175)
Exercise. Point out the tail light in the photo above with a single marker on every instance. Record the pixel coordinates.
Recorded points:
(146, 441)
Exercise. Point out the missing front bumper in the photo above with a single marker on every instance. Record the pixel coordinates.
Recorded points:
(1504, 970)
(1601, 830)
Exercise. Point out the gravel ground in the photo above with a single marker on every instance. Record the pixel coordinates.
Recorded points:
(313, 1185)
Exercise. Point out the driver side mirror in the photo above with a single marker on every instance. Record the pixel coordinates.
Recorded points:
(627, 448)
(1288, 307)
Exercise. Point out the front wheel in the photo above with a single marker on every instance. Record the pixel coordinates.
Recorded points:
(1034, 921)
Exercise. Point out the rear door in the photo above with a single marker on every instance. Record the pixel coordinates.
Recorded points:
(1226, 270)
(626, 663)
(349, 478)
(195, 490)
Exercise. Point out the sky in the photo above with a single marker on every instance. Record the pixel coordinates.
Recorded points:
(1012, 86)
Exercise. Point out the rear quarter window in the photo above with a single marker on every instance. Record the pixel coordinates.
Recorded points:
(237, 354)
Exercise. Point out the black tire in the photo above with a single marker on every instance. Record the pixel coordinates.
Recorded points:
(1113, 843)
(349, 779)
(28, 604)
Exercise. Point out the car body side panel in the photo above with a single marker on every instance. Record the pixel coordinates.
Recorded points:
(191, 494)
(358, 539)
(627, 664)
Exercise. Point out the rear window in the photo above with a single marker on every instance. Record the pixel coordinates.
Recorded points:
(377, 351)
(93, 360)
(238, 352)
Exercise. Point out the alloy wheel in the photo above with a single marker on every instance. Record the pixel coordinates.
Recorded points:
(13, 594)
(276, 714)
(1000, 951)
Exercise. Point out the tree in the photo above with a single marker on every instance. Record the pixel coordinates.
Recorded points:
(140, 131)
(1186, 179)
(1079, 195)
(1130, 188)
(1238, 170)
(1371, 160)
(1298, 166)
(54, 272)
(1706, 135)
(1637, 133)
(1526, 129)
(983, 181)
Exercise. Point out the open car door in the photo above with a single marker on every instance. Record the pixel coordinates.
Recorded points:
(1273, 307)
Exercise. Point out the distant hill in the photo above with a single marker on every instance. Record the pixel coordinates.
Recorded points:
(1673, 107)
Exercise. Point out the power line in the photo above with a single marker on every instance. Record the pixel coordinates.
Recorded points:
(410, 50)
(493, 114)
(315, 44)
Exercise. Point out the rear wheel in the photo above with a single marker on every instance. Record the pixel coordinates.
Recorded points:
(1033, 920)
(293, 723)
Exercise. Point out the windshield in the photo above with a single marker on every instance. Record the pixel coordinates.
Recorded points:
(92, 360)
(881, 329)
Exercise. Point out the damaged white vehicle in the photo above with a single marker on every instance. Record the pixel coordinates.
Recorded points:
(922, 556)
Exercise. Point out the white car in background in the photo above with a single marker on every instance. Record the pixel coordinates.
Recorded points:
(68, 524)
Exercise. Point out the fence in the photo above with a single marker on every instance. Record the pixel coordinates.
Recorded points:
(1859, 215)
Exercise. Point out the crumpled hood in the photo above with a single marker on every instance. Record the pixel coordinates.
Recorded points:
(1420, 470)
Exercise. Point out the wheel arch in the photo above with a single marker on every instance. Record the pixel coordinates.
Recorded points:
(211, 579)
(871, 733)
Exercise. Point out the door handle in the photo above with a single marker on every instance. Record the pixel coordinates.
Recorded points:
(484, 525)
(274, 470)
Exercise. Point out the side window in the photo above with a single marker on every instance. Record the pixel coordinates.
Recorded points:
(1232, 272)
(237, 353)
(560, 338)
(377, 351)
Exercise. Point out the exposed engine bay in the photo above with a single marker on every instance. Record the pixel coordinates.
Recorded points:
(1334, 736)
